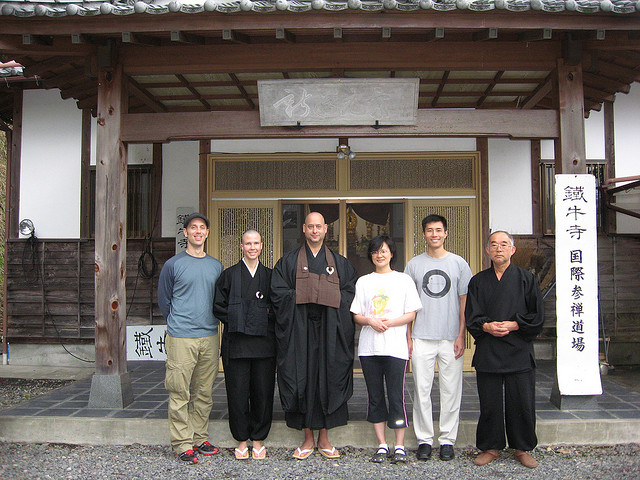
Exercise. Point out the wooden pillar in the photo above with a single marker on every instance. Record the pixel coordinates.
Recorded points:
(570, 147)
(13, 167)
(536, 212)
(85, 181)
(111, 385)
(610, 224)
(482, 145)
(203, 199)
(156, 192)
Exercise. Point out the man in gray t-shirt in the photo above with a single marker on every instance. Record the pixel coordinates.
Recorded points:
(438, 332)
(186, 290)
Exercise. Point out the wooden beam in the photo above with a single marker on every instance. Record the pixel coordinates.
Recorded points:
(571, 118)
(482, 145)
(242, 90)
(234, 36)
(610, 85)
(435, 34)
(111, 228)
(536, 35)
(285, 35)
(195, 93)
(538, 94)
(164, 127)
(203, 185)
(610, 220)
(156, 192)
(61, 46)
(85, 183)
(536, 211)
(139, 39)
(277, 57)
(489, 88)
(485, 34)
(14, 167)
(144, 96)
(178, 36)
(443, 82)
(312, 20)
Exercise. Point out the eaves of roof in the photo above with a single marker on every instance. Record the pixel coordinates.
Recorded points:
(62, 8)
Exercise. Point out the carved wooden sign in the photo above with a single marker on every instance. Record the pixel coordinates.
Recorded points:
(338, 101)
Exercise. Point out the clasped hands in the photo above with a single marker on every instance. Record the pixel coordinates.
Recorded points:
(380, 325)
(500, 329)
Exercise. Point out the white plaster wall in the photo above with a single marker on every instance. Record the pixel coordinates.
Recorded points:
(50, 164)
(510, 186)
(180, 173)
(627, 143)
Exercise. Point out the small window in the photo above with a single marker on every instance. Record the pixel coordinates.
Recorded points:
(138, 201)
(547, 190)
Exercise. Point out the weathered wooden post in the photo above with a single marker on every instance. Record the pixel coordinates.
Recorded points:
(111, 385)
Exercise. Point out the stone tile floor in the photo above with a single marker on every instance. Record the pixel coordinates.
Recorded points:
(618, 401)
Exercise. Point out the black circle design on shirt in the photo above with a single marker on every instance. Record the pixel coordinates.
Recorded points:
(441, 292)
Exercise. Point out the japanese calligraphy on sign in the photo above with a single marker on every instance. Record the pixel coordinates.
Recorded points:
(146, 342)
(577, 285)
(181, 240)
(338, 101)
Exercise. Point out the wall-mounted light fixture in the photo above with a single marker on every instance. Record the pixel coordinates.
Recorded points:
(344, 151)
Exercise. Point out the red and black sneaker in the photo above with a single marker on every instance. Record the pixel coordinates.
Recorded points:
(188, 457)
(206, 449)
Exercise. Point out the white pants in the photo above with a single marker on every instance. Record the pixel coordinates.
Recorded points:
(423, 361)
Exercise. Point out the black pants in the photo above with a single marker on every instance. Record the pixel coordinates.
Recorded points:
(377, 371)
(506, 400)
(250, 383)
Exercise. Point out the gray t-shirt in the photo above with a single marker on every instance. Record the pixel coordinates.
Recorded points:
(186, 290)
(440, 282)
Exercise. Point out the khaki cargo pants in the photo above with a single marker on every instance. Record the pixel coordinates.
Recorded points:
(192, 366)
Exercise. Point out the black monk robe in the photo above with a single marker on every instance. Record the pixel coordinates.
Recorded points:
(515, 297)
(242, 304)
(315, 344)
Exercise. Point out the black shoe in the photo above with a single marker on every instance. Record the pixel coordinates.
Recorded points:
(424, 451)
(399, 456)
(380, 455)
(188, 457)
(446, 452)
(206, 449)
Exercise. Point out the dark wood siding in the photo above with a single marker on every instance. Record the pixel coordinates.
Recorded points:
(57, 301)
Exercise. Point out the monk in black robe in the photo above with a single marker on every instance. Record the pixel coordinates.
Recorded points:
(248, 348)
(311, 291)
(504, 313)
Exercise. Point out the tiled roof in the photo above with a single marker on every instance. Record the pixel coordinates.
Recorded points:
(61, 8)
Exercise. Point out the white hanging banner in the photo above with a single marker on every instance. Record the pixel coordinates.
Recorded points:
(146, 342)
(577, 285)
(181, 240)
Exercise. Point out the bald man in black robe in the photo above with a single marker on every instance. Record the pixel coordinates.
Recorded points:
(504, 313)
(311, 292)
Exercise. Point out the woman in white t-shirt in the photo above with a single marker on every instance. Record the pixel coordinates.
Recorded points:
(385, 302)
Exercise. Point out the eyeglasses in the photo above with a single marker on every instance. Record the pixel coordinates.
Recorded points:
(496, 246)
(382, 251)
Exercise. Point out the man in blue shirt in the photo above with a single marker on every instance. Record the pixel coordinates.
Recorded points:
(186, 289)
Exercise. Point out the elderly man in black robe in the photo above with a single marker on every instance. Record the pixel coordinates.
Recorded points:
(504, 313)
(311, 292)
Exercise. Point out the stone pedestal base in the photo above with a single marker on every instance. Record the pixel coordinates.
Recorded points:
(110, 391)
(571, 402)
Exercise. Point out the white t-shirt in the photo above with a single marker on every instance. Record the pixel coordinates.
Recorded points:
(385, 295)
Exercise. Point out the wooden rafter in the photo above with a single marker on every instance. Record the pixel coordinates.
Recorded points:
(142, 94)
(443, 82)
(489, 88)
(242, 90)
(185, 83)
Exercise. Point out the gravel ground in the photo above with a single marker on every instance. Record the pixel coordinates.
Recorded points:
(65, 462)
(46, 461)
(14, 391)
